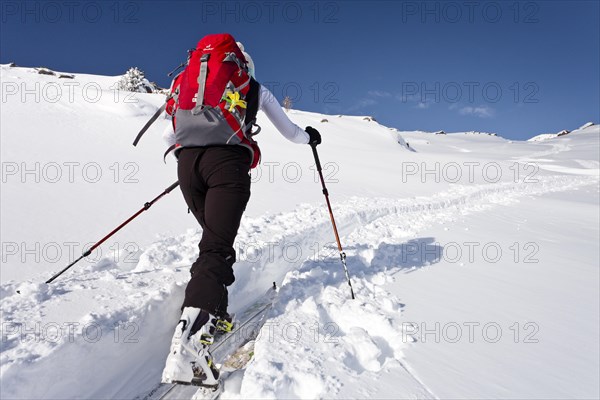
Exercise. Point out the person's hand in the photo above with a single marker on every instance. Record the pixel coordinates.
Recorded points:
(315, 136)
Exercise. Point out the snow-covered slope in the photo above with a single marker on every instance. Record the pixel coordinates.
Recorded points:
(474, 258)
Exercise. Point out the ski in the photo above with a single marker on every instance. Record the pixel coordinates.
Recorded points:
(226, 348)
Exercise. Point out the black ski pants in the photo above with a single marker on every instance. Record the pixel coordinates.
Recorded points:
(215, 183)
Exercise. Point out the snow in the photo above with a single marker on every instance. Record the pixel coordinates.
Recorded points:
(543, 136)
(474, 259)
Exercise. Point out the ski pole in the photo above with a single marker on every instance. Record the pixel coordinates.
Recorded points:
(89, 251)
(335, 231)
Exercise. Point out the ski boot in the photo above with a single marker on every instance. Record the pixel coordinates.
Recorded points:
(189, 361)
(224, 324)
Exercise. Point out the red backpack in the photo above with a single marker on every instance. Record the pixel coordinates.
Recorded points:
(208, 99)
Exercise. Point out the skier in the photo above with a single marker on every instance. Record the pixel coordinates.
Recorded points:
(215, 183)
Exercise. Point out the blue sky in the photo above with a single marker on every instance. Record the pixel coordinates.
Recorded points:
(517, 68)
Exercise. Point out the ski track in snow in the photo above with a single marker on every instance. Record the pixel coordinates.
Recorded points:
(135, 310)
(364, 333)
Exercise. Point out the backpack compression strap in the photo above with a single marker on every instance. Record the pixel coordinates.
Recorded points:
(150, 122)
(201, 83)
(170, 149)
(233, 58)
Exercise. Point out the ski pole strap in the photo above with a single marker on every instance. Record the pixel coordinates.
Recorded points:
(150, 122)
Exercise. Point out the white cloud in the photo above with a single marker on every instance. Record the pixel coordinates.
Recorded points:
(405, 98)
(422, 105)
(379, 93)
(366, 102)
(361, 104)
(481, 112)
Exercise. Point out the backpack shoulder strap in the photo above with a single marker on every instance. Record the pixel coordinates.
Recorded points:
(252, 99)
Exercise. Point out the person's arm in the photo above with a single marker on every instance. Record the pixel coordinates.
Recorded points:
(270, 106)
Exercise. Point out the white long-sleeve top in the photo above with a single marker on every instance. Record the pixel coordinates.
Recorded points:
(272, 109)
